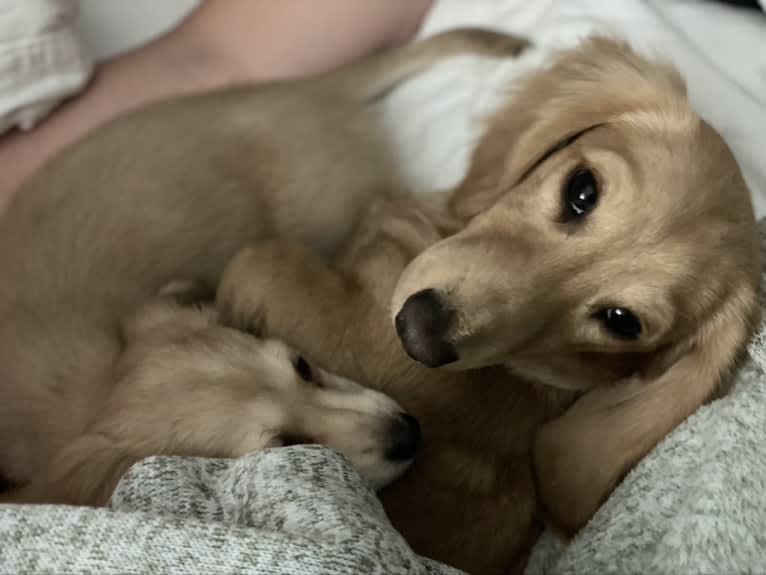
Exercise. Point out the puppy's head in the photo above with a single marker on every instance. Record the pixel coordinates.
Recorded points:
(368, 427)
(246, 393)
(611, 248)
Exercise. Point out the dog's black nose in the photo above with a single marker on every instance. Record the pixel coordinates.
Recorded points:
(404, 438)
(422, 325)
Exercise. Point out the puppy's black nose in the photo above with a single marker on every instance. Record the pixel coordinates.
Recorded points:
(422, 325)
(404, 438)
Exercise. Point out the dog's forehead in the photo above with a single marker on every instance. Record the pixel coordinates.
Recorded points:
(222, 353)
(679, 201)
(684, 177)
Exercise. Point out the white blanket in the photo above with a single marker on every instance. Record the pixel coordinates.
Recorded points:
(42, 59)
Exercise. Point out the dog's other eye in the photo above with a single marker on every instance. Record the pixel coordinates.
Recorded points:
(303, 369)
(580, 194)
(620, 322)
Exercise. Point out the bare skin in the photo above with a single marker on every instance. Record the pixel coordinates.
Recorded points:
(223, 42)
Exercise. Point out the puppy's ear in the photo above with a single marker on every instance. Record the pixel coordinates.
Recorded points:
(597, 82)
(580, 457)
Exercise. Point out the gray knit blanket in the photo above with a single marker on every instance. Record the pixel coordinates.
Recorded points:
(696, 504)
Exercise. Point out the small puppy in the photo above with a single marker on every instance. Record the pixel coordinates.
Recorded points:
(612, 249)
(185, 385)
(171, 191)
(601, 253)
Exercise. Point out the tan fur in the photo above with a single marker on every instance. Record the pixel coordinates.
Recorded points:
(185, 385)
(673, 238)
(171, 191)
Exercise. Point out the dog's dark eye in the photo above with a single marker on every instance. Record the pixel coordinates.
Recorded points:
(620, 322)
(580, 194)
(303, 369)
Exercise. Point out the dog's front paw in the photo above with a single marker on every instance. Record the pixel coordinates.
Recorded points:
(258, 287)
(242, 292)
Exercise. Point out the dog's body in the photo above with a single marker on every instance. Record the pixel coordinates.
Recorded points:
(578, 253)
(173, 191)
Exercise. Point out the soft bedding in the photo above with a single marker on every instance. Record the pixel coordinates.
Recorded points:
(684, 509)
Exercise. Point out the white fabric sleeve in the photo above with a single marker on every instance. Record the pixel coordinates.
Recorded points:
(42, 60)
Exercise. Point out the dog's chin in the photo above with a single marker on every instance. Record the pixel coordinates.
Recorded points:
(541, 374)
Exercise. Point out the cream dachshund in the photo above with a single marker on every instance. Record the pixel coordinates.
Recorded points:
(184, 384)
(588, 286)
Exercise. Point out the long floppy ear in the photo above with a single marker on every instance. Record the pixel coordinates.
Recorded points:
(599, 81)
(580, 457)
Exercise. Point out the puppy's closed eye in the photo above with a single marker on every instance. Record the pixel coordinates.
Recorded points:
(306, 372)
(303, 369)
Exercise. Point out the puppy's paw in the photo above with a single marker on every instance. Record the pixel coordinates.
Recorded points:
(258, 279)
(242, 292)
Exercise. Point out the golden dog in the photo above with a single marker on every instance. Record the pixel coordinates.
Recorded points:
(602, 249)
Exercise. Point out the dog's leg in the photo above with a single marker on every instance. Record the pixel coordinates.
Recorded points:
(283, 290)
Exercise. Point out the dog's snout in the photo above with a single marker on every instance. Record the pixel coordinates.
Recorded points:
(422, 325)
(404, 438)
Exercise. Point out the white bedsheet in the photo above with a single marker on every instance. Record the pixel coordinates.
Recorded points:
(42, 60)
